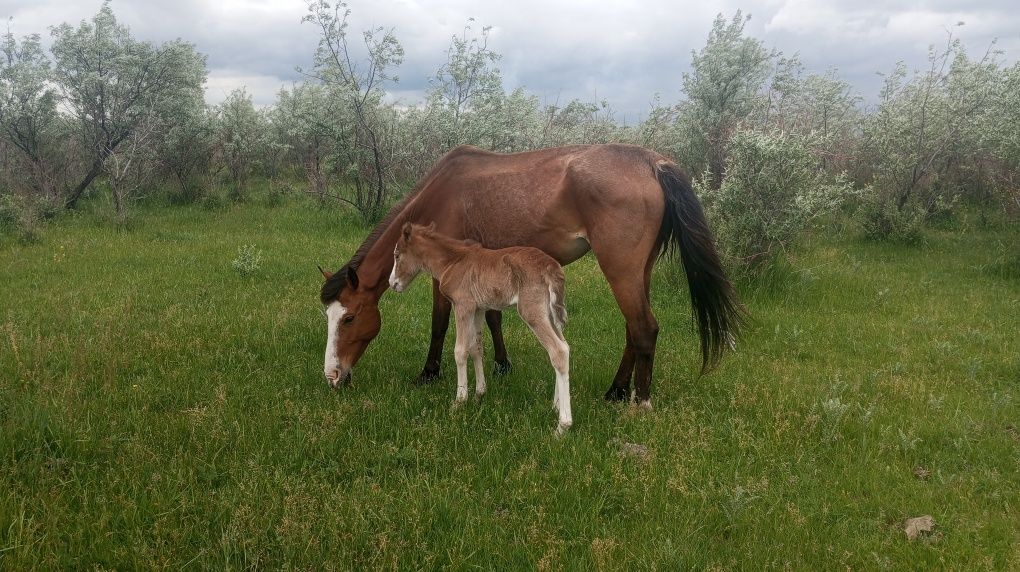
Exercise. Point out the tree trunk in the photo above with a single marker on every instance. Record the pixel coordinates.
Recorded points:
(97, 168)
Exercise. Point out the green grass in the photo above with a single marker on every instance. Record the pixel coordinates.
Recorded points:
(159, 409)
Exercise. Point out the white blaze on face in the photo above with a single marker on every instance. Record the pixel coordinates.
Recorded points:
(334, 313)
(393, 277)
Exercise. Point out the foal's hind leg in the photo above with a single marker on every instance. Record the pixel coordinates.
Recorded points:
(478, 355)
(552, 340)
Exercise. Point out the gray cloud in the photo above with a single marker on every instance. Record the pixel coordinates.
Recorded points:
(623, 52)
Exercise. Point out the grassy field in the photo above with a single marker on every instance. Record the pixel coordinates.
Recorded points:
(159, 409)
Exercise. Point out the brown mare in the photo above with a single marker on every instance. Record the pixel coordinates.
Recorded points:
(626, 204)
(476, 279)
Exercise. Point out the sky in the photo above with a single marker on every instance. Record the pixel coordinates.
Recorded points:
(624, 52)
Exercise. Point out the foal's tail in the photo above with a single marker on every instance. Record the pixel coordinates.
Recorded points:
(714, 303)
(557, 309)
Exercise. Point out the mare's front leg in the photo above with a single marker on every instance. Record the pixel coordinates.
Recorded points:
(440, 323)
(502, 365)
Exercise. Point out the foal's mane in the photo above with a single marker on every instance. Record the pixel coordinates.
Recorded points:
(338, 281)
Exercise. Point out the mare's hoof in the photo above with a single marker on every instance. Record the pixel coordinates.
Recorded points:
(502, 367)
(427, 376)
(617, 394)
(645, 405)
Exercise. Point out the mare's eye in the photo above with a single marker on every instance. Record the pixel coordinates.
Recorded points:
(348, 318)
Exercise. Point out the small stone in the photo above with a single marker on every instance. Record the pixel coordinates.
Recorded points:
(915, 527)
(922, 473)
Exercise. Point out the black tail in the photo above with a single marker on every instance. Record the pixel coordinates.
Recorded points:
(714, 303)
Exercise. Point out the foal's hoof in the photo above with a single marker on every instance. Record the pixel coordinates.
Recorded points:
(502, 367)
(561, 429)
(617, 394)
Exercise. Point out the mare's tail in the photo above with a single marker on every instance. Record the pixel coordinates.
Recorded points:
(714, 303)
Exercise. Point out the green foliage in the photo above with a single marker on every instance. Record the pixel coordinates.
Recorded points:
(118, 88)
(882, 220)
(362, 146)
(772, 192)
(922, 143)
(241, 132)
(248, 260)
(723, 88)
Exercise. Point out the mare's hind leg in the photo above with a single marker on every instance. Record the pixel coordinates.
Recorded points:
(620, 389)
(629, 278)
(502, 365)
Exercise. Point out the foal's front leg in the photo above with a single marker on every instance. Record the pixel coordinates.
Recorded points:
(466, 341)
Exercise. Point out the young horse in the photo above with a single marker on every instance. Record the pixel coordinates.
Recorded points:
(477, 279)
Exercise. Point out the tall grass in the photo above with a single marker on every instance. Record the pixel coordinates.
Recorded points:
(160, 409)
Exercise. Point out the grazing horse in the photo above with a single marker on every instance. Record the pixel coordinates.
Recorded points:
(476, 279)
(626, 204)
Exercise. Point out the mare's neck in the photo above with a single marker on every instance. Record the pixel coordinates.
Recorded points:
(375, 267)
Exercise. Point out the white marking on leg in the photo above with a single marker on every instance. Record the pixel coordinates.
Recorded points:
(331, 364)
(563, 388)
(460, 353)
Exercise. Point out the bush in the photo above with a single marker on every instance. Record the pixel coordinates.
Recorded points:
(248, 261)
(21, 217)
(772, 192)
(882, 220)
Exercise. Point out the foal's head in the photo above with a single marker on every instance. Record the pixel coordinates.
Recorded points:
(353, 321)
(407, 260)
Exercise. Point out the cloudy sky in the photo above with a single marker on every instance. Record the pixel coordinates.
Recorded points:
(624, 51)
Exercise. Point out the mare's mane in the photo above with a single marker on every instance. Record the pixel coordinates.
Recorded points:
(338, 281)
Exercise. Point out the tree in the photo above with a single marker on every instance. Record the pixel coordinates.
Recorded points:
(724, 87)
(113, 84)
(241, 135)
(919, 122)
(467, 76)
(302, 125)
(357, 85)
(28, 111)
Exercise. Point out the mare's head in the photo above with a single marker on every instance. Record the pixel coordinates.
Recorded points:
(353, 320)
(407, 260)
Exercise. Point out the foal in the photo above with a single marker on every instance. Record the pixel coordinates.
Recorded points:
(477, 279)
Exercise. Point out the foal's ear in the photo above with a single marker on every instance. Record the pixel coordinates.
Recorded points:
(432, 226)
(325, 273)
(352, 277)
(406, 231)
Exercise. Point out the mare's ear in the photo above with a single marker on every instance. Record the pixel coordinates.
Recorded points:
(325, 273)
(432, 226)
(406, 231)
(352, 277)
